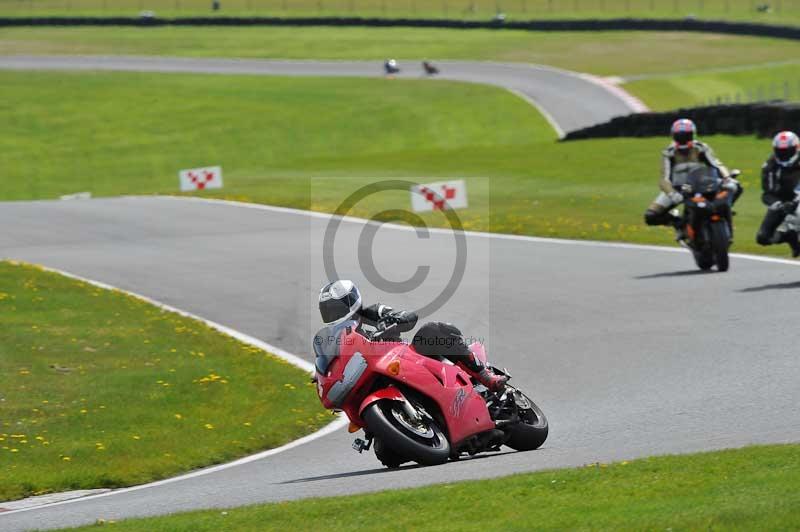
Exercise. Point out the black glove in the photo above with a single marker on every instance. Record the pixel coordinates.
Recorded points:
(401, 318)
(404, 320)
(374, 314)
(789, 207)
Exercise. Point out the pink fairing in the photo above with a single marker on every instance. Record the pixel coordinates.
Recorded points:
(364, 372)
(479, 351)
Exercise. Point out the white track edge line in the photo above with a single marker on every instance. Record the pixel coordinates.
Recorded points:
(542, 111)
(285, 355)
(633, 102)
(440, 230)
(333, 426)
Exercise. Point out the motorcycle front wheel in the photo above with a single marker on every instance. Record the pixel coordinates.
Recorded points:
(421, 441)
(720, 242)
(704, 259)
(531, 432)
(386, 456)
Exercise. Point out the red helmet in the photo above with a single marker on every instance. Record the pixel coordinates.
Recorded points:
(683, 131)
(785, 145)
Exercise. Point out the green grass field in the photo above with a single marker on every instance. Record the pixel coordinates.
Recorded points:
(279, 140)
(142, 128)
(780, 81)
(100, 390)
(603, 53)
(755, 488)
(782, 11)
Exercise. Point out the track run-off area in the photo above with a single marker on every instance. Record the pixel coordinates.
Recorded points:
(628, 349)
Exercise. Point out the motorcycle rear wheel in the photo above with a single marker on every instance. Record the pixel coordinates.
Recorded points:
(532, 431)
(720, 242)
(433, 448)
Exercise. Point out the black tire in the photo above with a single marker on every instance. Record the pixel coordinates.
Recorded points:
(401, 441)
(704, 259)
(531, 433)
(720, 242)
(386, 456)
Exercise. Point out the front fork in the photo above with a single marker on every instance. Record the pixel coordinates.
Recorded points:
(365, 444)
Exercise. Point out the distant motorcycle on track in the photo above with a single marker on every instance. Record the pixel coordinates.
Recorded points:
(415, 408)
(707, 214)
(390, 67)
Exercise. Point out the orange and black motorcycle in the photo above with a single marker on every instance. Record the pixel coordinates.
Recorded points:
(707, 214)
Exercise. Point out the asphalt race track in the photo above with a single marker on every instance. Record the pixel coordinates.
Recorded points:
(567, 99)
(629, 351)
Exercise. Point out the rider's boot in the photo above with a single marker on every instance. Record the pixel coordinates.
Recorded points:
(794, 243)
(677, 222)
(791, 238)
(482, 374)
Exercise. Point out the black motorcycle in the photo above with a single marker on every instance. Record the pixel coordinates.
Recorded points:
(789, 229)
(707, 215)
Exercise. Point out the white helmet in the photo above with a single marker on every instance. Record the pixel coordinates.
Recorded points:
(785, 145)
(339, 301)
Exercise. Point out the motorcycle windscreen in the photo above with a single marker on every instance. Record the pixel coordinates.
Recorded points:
(700, 177)
(328, 343)
(705, 181)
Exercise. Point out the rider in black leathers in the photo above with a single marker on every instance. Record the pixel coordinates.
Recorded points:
(780, 176)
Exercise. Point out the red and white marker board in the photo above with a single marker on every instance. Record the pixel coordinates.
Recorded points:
(200, 178)
(439, 196)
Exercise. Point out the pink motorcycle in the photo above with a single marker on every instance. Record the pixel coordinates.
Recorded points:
(418, 408)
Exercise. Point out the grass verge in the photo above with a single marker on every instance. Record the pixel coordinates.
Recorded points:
(755, 488)
(99, 389)
(255, 127)
(282, 141)
(779, 81)
(603, 53)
